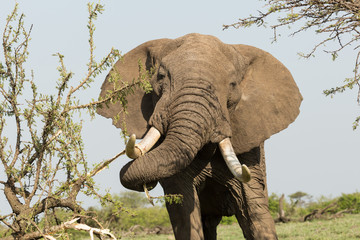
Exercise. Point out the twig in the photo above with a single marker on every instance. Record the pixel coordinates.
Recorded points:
(337, 19)
(71, 224)
(103, 165)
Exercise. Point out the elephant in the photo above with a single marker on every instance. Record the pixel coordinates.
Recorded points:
(212, 106)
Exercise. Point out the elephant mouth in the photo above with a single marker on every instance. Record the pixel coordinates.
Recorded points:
(240, 171)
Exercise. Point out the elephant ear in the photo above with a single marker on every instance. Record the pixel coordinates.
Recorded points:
(270, 100)
(139, 106)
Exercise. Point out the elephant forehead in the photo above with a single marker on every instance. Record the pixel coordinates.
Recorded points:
(197, 60)
(210, 47)
(202, 49)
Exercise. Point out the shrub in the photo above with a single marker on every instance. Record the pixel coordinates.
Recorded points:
(321, 203)
(133, 211)
(274, 205)
(349, 201)
(228, 220)
(146, 217)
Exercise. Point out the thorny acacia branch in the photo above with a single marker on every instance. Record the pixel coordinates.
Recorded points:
(47, 167)
(337, 20)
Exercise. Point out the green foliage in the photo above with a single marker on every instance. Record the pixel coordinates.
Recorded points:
(274, 205)
(171, 199)
(297, 198)
(350, 83)
(356, 123)
(132, 199)
(134, 211)
(298, 195)
(334, 229)
(147, 217)
(350, 201)
(338, 228)
(228, 220)
(297, 207)
(4, 232)
(320, 203)
(46, 168)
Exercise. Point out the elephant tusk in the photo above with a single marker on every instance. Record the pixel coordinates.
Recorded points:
(241, 172)
(134, 151)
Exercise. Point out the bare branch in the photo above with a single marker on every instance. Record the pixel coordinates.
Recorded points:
(83, 227)
(104, 164)
(71, 224)
(337, 20)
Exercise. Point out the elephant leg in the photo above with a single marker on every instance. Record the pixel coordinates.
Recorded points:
(185, 217)
(255, 218)
(210, 224)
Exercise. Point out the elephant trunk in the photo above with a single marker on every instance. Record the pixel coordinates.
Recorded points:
(192, 118)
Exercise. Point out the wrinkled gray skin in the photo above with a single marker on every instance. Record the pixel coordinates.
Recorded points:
(205, 91)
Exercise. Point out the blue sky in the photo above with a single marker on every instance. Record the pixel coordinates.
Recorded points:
(317, 154)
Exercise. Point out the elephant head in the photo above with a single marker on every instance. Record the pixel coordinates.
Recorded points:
(203, 91)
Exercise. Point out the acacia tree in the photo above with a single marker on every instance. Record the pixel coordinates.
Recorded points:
(297, 198)
(45, 168)
(336, 20)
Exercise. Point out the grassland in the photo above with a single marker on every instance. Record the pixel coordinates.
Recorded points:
(347, 227)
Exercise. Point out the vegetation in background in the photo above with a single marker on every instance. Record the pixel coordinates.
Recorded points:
(131, 215)
(300, 204)
(136, 211)
(297, 208)
(350, 201)
(337, 21)
(347, 227)
(44, 167)
(330, 226)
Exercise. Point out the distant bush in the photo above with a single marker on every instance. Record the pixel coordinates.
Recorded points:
(146, 217)
(135, 210)
(274, 205)
(298, 207)
(349, 201)
(228, 220)
(320, 203)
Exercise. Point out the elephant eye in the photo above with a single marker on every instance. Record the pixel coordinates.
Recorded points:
(233, 84)
(161, 76)
(161, 73)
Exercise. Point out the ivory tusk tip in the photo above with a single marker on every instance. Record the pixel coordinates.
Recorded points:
(132, 137)
(246, 174)
(130, 147)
